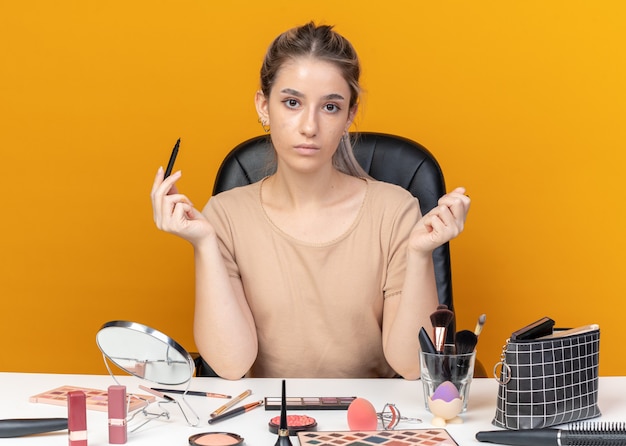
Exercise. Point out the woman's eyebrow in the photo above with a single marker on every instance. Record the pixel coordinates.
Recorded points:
(292, 92)
(333, 97)
(328, 97)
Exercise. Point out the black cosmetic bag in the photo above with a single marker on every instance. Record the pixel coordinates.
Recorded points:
(547, 382)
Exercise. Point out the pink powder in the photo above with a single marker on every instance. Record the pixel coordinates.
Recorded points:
(216, 439)
(295, 421)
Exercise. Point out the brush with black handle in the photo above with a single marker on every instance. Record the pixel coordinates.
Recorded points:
(19, 427)
(465, 343)
(579, 434)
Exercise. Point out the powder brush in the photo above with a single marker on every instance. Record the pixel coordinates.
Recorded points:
(579, 434)
(440, 320)
(465, 342)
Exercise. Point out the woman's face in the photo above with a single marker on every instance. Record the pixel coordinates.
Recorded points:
(308, 111)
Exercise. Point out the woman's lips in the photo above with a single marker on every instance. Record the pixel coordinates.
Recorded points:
(306, 148)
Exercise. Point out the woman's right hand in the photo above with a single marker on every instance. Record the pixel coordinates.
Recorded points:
(174, 213)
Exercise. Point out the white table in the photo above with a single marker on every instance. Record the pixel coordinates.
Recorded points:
(16, 388)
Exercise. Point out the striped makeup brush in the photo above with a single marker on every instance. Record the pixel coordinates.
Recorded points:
(480, 324)
(440, 320)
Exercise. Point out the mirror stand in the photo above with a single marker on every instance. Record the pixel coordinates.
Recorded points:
(148, 354)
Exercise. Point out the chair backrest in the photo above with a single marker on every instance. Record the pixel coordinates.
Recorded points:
(384, 157)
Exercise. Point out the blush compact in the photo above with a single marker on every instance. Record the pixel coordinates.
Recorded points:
(295, 424)
(215, 439)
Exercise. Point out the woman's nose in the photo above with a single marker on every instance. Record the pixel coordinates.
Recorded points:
(308, 123)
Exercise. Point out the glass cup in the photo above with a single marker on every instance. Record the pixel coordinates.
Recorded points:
(438, 368)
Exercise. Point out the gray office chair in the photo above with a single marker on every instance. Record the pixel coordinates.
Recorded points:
(384, 157)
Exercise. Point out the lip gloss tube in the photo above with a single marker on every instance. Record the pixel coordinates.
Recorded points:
(117, 414)
(77, 418)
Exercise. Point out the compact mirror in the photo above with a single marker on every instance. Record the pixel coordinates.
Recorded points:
(145, 352)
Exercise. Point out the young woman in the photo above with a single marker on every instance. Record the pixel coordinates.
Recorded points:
(316, 270)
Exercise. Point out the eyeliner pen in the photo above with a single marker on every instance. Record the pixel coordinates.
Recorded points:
(231, 403)
(170, 164)
(231, 413)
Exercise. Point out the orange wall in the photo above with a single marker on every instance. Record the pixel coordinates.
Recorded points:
(522, 102)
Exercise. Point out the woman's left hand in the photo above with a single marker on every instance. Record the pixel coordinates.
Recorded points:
(442, 223)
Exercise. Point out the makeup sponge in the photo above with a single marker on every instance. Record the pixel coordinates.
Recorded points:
(446, 391)
(362, 415)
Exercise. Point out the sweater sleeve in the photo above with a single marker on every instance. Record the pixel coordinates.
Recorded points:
(220, 219)
(400, 227)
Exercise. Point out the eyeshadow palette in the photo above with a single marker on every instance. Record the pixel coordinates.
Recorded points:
(310, 403)
(96, 399)
(430, 437)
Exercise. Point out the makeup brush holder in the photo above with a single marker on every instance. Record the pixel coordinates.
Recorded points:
(440, 368)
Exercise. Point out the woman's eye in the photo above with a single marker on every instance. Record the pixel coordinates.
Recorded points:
(291, 103)
(331, 108)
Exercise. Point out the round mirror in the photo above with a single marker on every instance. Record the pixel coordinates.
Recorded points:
(145, 352)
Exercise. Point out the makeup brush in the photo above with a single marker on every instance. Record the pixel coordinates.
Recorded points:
(465, 342)
(479, 325)
(283, 429)
(426, 343)
(579, 434)
(440, 320)
(18, 427)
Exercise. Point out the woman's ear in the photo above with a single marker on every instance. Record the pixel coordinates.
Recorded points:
(262, 107)
(351, 116)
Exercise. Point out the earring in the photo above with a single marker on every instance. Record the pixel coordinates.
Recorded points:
(266, 128)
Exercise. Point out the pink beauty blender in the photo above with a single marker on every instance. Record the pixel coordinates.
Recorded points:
(362, 415)
(446, 391)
